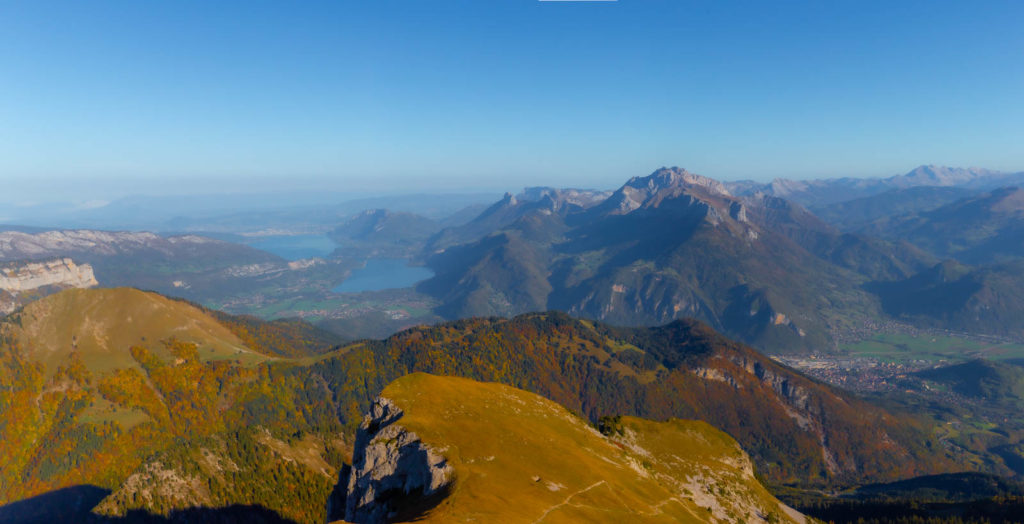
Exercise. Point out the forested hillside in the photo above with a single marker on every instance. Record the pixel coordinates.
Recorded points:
(168, 408)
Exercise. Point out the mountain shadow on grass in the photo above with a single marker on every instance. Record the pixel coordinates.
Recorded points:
(74, 504)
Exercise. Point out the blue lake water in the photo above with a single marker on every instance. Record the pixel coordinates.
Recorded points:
(295, 247)
(383, 273)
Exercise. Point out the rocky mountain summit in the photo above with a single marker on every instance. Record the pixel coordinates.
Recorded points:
(650, 190)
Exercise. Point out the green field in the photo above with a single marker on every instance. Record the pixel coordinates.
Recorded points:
(102, 410)
(890, 347)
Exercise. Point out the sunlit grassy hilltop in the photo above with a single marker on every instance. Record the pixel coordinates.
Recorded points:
(99, 325)
(518, 457)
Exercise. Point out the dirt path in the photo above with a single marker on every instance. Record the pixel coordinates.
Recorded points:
(567, 499)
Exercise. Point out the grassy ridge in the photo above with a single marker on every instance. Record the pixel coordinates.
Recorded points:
(521, 458)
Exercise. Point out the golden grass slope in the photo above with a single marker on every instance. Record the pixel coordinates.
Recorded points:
(518, 457)
(100, 325)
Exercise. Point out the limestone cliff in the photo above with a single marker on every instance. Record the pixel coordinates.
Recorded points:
(22, 282)
(58, 272)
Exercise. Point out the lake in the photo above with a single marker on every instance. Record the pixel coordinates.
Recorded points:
(383, 273)
(294, 247)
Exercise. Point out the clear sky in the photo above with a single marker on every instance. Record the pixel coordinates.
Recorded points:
(380, 94)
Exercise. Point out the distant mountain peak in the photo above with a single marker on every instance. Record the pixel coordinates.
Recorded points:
(661, 185)
(820, 193)
(934, 175)
(675, 177)
(560, 196)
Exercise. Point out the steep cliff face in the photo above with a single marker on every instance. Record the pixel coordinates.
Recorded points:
(20, 283)
(391, 467)
(33, 275)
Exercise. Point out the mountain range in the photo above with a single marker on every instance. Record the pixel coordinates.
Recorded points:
(602, 311)
(753, 264)
(669, 245)
(821, 193)
(748, 259)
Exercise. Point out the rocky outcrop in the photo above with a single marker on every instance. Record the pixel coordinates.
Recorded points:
(17, 278)
(391, 467)
(22, 282)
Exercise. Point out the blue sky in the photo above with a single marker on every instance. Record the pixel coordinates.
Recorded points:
(496, 94)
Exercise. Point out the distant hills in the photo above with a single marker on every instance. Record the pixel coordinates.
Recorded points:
(820, 193)
(983, 300)
(139, 259)
(786, 266)
(982, 379)
(978, 229)
(195, 267)
(858, 213)
(789, 266)
(383, 233)
(977, 288)
(247, 210)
